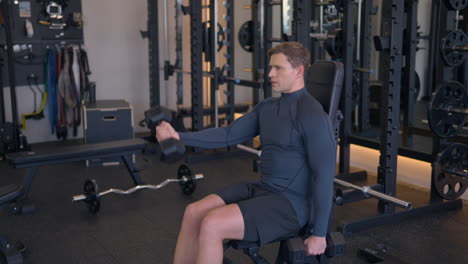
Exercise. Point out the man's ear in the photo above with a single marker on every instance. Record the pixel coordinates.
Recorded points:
(300, 71)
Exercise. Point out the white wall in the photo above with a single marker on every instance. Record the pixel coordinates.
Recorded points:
(118, 59)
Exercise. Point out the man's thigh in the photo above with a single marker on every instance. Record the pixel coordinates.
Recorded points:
(268, 218)
(227, 221)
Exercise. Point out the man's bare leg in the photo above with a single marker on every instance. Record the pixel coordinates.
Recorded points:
(221, 223)
(187, 241)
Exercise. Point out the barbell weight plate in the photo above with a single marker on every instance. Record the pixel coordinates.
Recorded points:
(334, 44)
(90, 187)
(339, 5)
(450, 56)
(404, 89)
(448, 185)
(188, 187)
(206, 37)
(245, 36)
(443, 122)
(94, 204)
(457, 4)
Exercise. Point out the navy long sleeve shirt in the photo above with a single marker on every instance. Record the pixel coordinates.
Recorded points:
(298, 152)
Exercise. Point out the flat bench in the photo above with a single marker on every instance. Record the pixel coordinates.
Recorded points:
(33, 160)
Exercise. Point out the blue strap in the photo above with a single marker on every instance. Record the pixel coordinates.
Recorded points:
(52, 87)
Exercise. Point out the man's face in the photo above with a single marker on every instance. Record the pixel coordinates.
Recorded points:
(282, 74)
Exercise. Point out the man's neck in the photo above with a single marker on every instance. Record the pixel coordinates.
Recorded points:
(297, 86)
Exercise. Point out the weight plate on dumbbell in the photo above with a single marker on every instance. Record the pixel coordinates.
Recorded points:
(457, 4)
(452, 57)
(443, 122)
(188, 186)
(448, 184)
(245, 36)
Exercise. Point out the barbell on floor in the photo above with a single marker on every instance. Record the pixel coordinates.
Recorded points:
(92, 197)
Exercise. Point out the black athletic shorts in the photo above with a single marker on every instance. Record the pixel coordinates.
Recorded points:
(268, 215)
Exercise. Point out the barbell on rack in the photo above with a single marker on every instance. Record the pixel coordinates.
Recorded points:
(448, 110)
(92, 197)
(222, 78)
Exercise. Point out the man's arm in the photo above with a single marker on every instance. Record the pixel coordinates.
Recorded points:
(321, 157)
(241, 130)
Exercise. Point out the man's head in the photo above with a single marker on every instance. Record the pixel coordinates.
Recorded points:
(288, 63)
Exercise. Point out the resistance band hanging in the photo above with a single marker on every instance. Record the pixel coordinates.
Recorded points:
(37, 114)
(86, 90)
(51, 86)
(75, 83)
(67, 96)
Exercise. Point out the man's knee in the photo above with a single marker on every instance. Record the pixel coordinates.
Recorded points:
(210, 225)
(199, 209)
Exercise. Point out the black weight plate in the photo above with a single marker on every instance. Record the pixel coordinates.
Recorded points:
(334, 44)
(189, 186)
(442, 122)
(448, 185)
(245, 36)
(206, 37)
(94, 204)
(404, 90)
(457, 4)
(90, 187)
(339, 5)
(452, 57)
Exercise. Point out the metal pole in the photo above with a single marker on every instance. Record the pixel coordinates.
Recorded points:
(2, 98)
(166, 53)
(369, 192)
(11, 71)
(215, 59)
(179, 54)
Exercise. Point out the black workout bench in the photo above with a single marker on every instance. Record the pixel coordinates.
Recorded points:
(33, 160)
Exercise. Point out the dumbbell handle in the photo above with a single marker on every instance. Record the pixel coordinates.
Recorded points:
(249, 149)
(81, 197)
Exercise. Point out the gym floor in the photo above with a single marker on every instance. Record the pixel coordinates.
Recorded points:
(143, 227)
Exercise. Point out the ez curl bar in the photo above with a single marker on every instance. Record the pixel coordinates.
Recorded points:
(92, 196)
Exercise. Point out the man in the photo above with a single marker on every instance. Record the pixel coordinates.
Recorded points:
(297, 170)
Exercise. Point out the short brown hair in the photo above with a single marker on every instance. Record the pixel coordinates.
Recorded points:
(295, 52)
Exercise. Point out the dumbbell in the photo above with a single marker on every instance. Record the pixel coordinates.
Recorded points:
(294, 250)
(171, 149)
